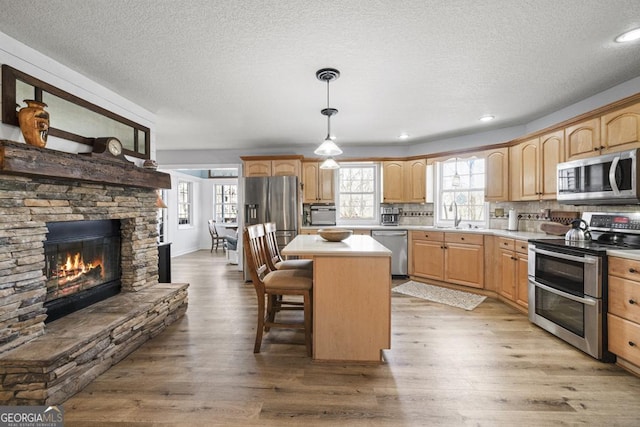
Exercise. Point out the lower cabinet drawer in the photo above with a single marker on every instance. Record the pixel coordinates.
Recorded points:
(624, 338)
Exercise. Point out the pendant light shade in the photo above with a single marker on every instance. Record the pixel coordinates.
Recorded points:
(455, 182)
(328, 148)
(329, 163)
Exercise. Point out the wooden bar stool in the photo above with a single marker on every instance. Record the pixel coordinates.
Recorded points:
(274, 259)
(273, 287)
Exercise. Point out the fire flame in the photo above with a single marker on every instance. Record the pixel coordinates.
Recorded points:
(74, 267)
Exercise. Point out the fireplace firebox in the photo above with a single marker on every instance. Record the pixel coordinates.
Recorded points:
(82, 265)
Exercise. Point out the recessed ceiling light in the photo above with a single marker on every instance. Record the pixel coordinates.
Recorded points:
(403, 136)
(629, 36)
(487, 118)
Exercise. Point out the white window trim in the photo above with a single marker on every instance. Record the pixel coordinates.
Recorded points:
(439, 221)
(376, 195)
(190, 204)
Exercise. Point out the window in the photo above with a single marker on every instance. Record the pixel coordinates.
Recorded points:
(226, 203)
(357, 195)
(185, 208)
(463, 193)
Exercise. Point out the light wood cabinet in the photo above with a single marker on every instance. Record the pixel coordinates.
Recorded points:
(582, 139)
(533, 167)
(404, 181)
(496, 178)
(415, 183)
(624, 309)
(427, 254)
(317, 184)
(464, 259)
(621, 129)
(257, 168)
(456, 258)
(393, 181)
(286, 166)
(513, 279)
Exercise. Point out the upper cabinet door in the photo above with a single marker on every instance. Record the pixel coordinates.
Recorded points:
(325, 185)
(310, 181)
(415, 189)
(621, 128)
(285, 167)
(392, 181)
(524, 170)
(582, 139)
(496, 178)
(551, 153)
(257, 168)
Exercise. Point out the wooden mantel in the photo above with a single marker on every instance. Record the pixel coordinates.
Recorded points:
(21, 159)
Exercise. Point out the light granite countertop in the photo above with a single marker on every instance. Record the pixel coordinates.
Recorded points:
(355, 245)
(520, 235)
(629, 254)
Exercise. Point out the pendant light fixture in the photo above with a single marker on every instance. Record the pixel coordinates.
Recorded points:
(328, 148)
(455, 182)
(329, 163)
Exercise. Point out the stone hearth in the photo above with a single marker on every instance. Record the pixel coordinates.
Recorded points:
(38, 186)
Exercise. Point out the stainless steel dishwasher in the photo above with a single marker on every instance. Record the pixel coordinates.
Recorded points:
(396, 242)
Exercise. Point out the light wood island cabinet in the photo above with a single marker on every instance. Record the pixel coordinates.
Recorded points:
(318, 184)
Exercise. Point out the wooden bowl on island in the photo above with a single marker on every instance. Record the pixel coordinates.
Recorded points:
(334, 234)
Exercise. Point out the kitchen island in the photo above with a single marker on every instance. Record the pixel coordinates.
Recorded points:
(351, 297)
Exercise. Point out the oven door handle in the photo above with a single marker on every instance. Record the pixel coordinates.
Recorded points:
(584, 260)
(586, 301)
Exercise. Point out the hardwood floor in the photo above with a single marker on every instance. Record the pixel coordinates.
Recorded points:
(447, 366)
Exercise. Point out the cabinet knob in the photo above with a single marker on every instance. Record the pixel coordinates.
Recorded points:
(631, 301)
(632, 344)
(633, 270)
(462, 238)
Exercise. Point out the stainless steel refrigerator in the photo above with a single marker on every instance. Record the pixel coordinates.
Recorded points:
(273, 199)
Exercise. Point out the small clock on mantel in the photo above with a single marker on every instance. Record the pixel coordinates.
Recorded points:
(108, 148)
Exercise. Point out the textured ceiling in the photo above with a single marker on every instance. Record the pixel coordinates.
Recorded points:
(241, 74)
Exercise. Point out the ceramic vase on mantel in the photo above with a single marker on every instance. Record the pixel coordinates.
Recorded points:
(34, 123)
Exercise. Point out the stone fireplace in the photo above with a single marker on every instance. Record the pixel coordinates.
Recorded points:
(43, 264)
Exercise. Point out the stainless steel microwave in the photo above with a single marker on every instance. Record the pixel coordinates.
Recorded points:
(609, 179)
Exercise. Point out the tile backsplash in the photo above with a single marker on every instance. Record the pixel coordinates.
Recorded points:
(531, 214)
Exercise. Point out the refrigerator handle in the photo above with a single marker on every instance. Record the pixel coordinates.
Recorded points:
(267, 210)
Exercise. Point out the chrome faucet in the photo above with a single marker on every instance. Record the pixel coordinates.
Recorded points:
(456, 218)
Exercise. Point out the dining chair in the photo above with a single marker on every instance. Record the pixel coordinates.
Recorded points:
(275, 288)
(274, 259)
(215, 237)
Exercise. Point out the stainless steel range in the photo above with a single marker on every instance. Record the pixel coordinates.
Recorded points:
(568, 281)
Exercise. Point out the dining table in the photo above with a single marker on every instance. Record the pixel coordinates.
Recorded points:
(351, 297)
